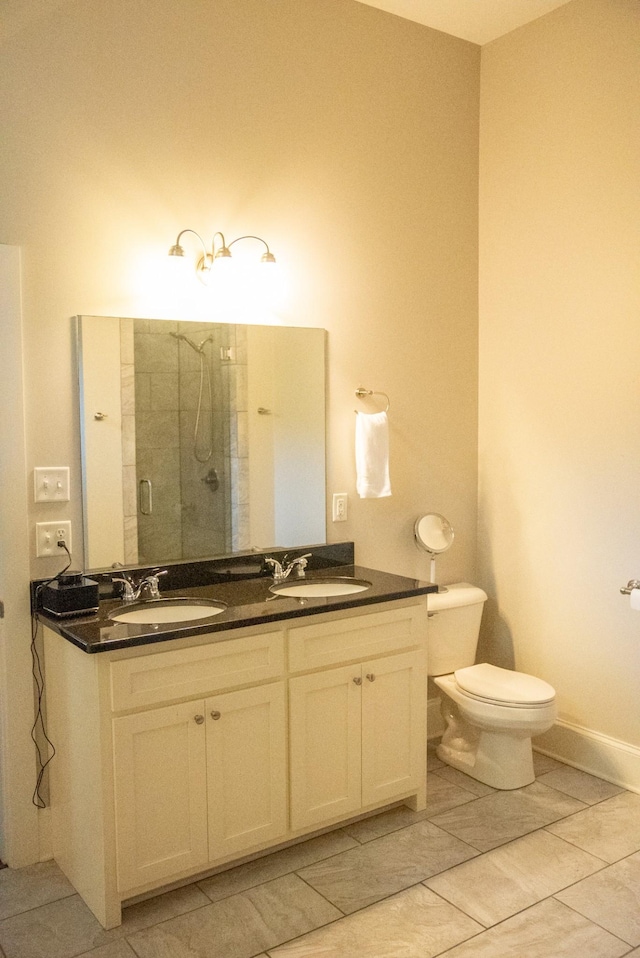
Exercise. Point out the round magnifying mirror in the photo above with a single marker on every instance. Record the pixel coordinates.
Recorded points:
(433, 534)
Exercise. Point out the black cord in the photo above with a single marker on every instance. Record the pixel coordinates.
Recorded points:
(38, 678)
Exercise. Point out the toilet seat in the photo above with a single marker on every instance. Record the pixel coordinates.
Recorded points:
(488, 683)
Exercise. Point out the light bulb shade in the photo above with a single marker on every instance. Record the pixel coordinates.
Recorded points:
(267, 257)
(176, 250)
(223, 253)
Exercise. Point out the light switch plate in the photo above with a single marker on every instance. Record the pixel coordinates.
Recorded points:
(51, 484)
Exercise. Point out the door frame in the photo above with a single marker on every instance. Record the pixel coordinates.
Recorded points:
(19, 831)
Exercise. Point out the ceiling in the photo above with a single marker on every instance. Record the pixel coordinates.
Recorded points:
(479, 21)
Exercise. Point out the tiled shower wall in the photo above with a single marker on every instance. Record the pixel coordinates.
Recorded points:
(128, 409)
(234, 378)
(198, 506)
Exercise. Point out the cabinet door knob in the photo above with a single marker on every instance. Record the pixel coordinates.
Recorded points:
(357, 680)
(371, 676)
(215, 715)
(198, 719)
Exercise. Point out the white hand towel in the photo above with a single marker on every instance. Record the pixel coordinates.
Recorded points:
(372, 455)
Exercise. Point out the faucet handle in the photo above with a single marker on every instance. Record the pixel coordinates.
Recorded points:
(300, 564)
(151, 581)
(128, 593)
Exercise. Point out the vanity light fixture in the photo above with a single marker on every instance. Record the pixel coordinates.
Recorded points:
(221, 252)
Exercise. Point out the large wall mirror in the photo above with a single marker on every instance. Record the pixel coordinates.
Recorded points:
(199, 439)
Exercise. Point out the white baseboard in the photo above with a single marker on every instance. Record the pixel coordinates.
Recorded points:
(592, 752)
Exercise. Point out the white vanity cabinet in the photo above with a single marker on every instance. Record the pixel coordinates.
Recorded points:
(178, 757)
(160, 793)
(204, 779)
(355, 737)
(197, 782)
(246, 769)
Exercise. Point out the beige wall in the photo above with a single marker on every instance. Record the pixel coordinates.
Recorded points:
(346, 136)
(560, 403)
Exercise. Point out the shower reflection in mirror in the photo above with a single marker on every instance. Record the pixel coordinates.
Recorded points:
(202, 442)
(184, 454)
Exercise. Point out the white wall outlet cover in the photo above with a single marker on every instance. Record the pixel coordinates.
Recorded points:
(51, 484)
(339, 509)
(49, 534)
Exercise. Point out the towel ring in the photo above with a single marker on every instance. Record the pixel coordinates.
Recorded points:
(362, 393)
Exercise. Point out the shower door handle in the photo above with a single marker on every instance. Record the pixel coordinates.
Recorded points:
(145, 501)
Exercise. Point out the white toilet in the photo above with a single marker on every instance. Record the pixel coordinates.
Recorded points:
(490, 713)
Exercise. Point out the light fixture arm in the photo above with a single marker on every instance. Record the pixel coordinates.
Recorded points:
(267, 257)
(259, 238)
(177, 249)
(223, 249)
(205, 261)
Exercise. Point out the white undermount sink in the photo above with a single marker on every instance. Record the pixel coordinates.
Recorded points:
(165, 611)
(317, 588)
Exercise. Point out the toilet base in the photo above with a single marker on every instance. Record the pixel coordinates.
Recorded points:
(484, 767)
(502, 759)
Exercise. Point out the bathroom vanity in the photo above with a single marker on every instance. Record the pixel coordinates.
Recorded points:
(183, 748)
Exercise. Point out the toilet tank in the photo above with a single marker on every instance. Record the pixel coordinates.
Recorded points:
(453, 627)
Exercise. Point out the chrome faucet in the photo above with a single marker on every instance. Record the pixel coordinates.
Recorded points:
(282, 570)
(133, 591)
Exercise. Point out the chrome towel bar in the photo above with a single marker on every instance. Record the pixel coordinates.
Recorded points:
(363, 393)
(631, 584)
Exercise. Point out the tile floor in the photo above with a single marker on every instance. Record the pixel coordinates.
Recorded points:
(547, 871)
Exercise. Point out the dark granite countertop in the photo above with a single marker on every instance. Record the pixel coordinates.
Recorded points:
(249, 603)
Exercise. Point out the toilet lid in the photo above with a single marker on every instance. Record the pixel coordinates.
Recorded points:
(503, 685)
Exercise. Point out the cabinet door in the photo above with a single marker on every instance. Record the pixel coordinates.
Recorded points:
(324, 716)
(161, 807)
(394, 713)
(246, 768)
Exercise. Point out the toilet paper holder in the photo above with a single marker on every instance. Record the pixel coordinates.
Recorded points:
(631, 584)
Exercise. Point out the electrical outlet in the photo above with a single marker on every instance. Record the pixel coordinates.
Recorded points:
(340, 500)
(49, 534)
(51, 484)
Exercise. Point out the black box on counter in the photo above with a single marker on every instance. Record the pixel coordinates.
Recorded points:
(70, 594)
